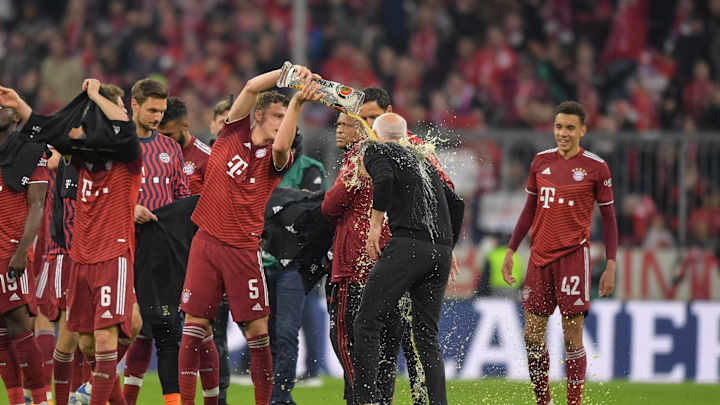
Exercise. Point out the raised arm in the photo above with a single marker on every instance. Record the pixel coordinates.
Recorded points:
(111, 110)
(247, 98)
(286, 134)
(10, 99)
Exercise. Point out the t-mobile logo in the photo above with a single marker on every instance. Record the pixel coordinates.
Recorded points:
(547, 195)
(236, 165)
(86, 189)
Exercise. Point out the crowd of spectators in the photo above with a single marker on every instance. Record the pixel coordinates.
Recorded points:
(636, 65)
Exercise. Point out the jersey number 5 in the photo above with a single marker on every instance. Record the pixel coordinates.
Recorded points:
(254, 291)
(570, 288)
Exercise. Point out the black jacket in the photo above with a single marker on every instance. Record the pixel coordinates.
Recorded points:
(19, 156)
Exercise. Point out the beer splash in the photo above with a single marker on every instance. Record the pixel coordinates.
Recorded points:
(369, 130)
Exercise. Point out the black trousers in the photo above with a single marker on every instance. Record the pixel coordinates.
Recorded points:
(220, 336)
(166, 330)
(343, 299)
(422, 269)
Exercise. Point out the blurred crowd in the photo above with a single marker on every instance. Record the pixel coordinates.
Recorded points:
(636, 65)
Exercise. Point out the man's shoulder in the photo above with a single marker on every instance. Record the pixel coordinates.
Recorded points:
(201, 146)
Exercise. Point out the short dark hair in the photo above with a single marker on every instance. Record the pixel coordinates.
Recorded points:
(148, 88)
(378, 95)
(221, 107)
(266, 98)
(571, 108)
(112, 92)
(176, 110)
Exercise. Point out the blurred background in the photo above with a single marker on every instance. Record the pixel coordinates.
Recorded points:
(484, 76)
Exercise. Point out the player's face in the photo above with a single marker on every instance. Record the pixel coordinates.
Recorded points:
(149, 114)
(175, 129)
(270, 119)
(218, 123)
(371, 110)
(568, 131)
(346, 132)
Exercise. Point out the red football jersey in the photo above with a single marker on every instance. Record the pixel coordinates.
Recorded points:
(196, 156)
(14, 211)
(105, 211)
(238, 182)
(567, 191)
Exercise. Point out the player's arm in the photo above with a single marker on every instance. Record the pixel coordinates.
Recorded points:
(286, 134)
(606, 201)
(247, 98)
(337, 199)
(181, 187)
(527, 216)
(380, 170)
(36, 202)
(111, 110)
(10, 99)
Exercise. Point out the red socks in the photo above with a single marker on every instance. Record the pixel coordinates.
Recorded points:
(63, 367)
(575, 368)
(136, 364)
(28, 358)
(189, 361)
(9, 370)
(46, 343)
(261, 368)
(209, 371)
(539, 368)
(104, 377)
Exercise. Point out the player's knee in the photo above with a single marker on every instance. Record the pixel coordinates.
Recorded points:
(67, 342)
(256, 328)
(87, 345)
(136, 325)
(197, 321)
(106, 339)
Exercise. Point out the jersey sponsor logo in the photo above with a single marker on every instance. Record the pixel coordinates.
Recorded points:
(578, 174)
(547, 195)
(237, 165)
(189, 168)
(86, 189)
(164, 157)
(607, 183)
(261, 153)
(257, 307)
(546, 171)
(186, 295)
(106, 314)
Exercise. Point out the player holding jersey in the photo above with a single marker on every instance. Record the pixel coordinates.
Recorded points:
(563, 186)
(249, 158)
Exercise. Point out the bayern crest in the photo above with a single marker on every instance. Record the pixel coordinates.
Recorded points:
(189, 168)
(164, 157)
(260, 153)
(578, 174)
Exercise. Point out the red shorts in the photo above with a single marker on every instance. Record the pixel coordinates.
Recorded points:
(14, 292)
(51, 286)
(214, 268)
(101, 295)
(564, 282)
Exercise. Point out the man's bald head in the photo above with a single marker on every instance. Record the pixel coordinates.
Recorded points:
(390, 127)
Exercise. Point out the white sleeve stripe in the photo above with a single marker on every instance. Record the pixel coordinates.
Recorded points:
(38, 181)
(530, 192)
(606, 203)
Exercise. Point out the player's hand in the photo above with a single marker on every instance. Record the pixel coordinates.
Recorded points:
(303, 74)
(17, 264)
(373, 243)
(310, 92)
(607, 280)
(92, 87)
(143, 215)
(454, 268)
(9, 98)
(508, 266)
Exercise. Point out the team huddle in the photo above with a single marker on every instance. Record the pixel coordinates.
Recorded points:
(80, 191)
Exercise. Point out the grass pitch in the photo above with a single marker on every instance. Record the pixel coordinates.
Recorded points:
(476, 392)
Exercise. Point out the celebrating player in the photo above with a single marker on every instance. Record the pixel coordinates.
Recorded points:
(562, 188)
(249, 158)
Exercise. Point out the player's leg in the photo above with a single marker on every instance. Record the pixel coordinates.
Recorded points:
(385, 285)
(45, 337)
(106, 358)
(287, 310)
(137, 358)
(167, 333)
(201, 295)
(261, 366)
(390, 342)
(26, 351)
(9, 369)
(539, 302)
(219, 327)
(64, 356)
(416, 375)
(573, 291)
(427, 298)
(340, 335)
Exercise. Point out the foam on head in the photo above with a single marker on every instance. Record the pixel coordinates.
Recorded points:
(390, 127)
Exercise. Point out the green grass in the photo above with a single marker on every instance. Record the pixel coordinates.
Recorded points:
(490, 391)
